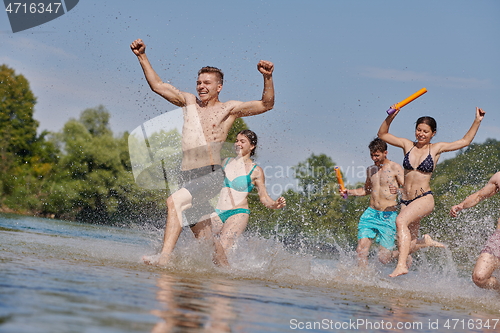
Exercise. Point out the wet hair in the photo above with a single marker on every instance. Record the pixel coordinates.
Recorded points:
(252, 137)
(377, 144)
(428, 121)
(215, 70)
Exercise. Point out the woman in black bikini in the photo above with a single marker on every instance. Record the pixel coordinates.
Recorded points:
(418, 201)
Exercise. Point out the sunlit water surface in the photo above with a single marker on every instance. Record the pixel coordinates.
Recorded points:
(58, 276)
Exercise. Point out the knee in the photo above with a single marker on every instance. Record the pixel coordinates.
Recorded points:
(384, 257)
(400, 223)
(171, 204)
(361, 250)
(479, 279)
(363, 247)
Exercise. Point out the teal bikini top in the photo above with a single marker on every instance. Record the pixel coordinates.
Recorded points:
(240, 183)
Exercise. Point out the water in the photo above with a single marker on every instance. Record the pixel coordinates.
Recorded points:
(59, 276)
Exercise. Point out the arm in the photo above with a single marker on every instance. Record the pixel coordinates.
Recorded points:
(468, 137)
(245, 109)
(362, 191)
(357, 192)
(487, 191)
(167, 91)
(398, 177)
(383, 132)
(265, 199)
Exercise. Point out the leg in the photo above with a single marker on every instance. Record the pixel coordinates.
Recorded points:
(407, 224)
(176, 204)
(366, 234)
(362, 250)
(482, 274)
(232, 229)
(385, 255)
(386, 237)
(203, 229)
(425, 241)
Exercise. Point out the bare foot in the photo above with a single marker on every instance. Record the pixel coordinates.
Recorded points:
(428, 241)
(155, 260)
(151, 260)
(399, 271)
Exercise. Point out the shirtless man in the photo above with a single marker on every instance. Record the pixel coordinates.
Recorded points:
(378, 222)
(206, 124)
(489, 259)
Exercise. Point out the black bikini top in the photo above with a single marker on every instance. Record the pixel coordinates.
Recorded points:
(427, 164)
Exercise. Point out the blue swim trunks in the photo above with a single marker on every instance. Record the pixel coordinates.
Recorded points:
(378, 225)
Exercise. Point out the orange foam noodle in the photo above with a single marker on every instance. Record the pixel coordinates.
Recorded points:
(411, 98)
(339, 178)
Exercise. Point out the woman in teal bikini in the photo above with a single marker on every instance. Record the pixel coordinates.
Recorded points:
(418, 201)
(232, 212)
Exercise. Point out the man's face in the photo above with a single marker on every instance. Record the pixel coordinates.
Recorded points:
(378, 157)
(208, 86)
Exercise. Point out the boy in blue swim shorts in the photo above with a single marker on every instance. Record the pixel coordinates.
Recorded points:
(378, 222)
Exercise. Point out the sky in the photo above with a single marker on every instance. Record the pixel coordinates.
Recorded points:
(339, 65)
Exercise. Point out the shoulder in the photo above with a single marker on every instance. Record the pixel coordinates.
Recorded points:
(395, 166)
(407, 144)
(190, 98)
(438, 146)
(230, 105)
(257, 172)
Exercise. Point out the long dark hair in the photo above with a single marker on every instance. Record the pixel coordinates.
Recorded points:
(428, 121)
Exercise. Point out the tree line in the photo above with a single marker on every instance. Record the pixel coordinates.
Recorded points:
(83, 173)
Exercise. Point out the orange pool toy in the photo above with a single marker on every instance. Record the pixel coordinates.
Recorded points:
(340, 181)
(407, 100)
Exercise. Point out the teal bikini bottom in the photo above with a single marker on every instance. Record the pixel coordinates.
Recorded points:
(225, 214)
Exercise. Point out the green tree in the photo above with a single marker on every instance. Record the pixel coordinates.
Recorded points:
(26, 160)
(316, 216)
(17, 102)
(94, 182)
(238, 126)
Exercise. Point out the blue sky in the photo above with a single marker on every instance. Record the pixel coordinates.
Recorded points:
(339, 65)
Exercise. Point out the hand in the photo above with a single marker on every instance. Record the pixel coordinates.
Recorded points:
(343, 193)
(393, 189)
(265, 67)
(455, 210)
(138, 47)
(394, 106)
(280, 203)
(479, 114)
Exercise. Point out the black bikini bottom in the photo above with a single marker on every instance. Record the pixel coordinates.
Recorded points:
(407, 202)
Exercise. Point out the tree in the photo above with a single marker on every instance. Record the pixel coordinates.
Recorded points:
(17, 102)
(315, 173)
(316, 216)
(26, 160)
(238, 126)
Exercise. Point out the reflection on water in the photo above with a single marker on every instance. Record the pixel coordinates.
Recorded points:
(57, 276)
(186, 304)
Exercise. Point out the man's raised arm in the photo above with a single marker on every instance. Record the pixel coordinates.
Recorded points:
(245, 109)
(167, 91)
(487, 191)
